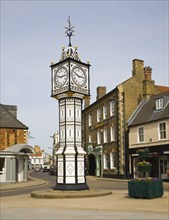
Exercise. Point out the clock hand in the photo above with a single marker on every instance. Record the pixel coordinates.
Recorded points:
(79, 75)
(61, 76)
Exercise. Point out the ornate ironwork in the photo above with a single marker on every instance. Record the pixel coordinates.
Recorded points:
(69, 51)
(69, 31)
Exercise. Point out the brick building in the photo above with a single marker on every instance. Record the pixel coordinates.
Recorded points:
(12, 131)
(104, 122)
(14, 150)
(39, 159)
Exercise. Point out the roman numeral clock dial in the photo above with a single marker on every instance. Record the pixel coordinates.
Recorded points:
(60, 76)
(79, 76)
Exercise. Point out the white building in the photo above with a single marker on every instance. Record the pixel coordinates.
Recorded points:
(40, 158)
(149, 128)
(14, 163)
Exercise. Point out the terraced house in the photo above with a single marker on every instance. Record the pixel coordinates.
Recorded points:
(149, 129)
(105, 132)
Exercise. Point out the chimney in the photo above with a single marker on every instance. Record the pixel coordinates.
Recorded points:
(86, 101)
(138, 67)
(148, 83)
(147, 73)
(12, 109)
(101, 91)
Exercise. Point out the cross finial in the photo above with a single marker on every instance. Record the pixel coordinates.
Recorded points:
(69, 31)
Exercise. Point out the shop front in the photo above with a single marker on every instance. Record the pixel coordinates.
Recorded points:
(158, 157)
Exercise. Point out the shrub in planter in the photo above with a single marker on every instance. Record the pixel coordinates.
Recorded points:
(143, 153)
(144, 167)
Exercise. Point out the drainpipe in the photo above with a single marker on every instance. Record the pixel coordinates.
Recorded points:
(117, 137)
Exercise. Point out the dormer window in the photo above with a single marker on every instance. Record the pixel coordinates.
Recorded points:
(159, 104)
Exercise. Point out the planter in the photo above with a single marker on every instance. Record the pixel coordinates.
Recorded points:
(143, 154)
(145, 189)
(143, 169)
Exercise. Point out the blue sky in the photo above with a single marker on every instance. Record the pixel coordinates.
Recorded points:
(109, 34)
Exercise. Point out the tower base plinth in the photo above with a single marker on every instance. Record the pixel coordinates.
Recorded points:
(71, 187)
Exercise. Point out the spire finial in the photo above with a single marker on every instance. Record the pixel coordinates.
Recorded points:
(69, 31)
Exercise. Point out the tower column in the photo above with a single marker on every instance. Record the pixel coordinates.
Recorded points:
(70, 155)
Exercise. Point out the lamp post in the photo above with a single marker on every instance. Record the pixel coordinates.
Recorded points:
(55, 147)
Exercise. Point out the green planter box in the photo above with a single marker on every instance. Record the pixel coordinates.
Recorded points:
(145, 189)
(143, 154)
(143, 169)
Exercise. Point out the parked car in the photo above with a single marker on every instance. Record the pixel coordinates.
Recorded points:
(52, 170)
(37, 169)
(45, 169)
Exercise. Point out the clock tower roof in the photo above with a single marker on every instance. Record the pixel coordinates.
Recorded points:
(70, 52)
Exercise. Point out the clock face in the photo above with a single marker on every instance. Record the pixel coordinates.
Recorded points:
(79, 76)
(60, 76)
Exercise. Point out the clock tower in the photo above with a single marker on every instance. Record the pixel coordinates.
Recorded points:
(70, 86)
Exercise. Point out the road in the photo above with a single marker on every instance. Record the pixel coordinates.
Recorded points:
(93, 183)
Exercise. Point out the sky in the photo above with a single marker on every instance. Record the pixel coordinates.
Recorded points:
(109, 34)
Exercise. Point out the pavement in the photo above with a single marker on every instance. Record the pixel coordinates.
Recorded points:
(32, 182)
(117, 205)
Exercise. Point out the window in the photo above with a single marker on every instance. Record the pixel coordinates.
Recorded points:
(162, 130)
(2, 163)
(90, 120)
(104, 111)
(105, 135)
(106, 161)
(159, 104)
(112, 133)
(141, 134)
(90, 138)
(98, 137)
(112, 107)
(98, 115)
(113, 160)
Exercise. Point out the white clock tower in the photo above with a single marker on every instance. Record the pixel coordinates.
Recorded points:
(70, 86)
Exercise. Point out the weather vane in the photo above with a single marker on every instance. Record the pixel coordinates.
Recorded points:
(69, 31)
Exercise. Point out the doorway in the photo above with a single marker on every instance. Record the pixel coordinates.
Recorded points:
(92, 164)
(163, 167)
(17, 169)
